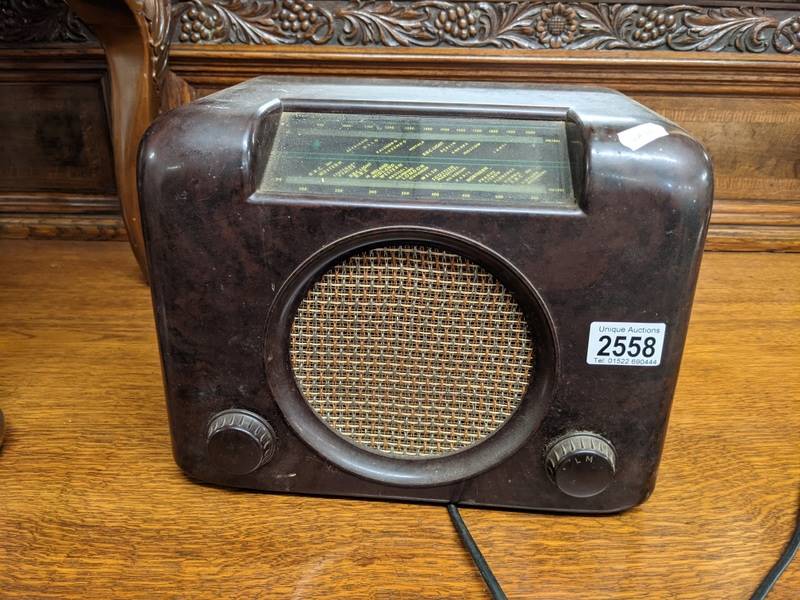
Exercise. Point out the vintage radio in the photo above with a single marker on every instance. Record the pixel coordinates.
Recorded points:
(445, 292)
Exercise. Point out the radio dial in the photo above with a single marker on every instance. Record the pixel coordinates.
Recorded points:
(581, 464)
(239, 441)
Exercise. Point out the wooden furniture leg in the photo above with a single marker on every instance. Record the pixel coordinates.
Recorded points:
(134, 34)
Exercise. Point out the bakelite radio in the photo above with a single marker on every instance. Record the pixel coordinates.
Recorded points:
(447, 292)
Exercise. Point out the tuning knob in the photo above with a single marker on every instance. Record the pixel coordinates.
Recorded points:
(239, 441)
(581, 464)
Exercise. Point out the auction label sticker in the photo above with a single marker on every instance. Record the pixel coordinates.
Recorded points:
(627, 344)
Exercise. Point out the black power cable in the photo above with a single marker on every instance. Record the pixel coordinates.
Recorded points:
(497, 592)
(483, 567)
(775, 572)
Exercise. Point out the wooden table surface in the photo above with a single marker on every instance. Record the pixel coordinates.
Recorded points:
(92, 505)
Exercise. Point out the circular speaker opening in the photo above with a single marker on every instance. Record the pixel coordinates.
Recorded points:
(411, 351)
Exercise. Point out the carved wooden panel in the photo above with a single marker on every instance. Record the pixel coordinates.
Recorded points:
(56, 175)
(55, 138)
(528, 25)
(40, 22)
(56, 172)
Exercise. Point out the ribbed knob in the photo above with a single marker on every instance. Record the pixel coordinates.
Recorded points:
(239, 441)
(581, 464)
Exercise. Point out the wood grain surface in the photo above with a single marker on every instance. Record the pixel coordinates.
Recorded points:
(92, 505)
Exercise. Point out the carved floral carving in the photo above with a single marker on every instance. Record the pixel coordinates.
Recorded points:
(252, 22)
(458, 21)
(533, 24)
(40, 21)
(556, 25)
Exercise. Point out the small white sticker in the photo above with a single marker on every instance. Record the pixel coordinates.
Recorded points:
(641, 135)
(628, 344)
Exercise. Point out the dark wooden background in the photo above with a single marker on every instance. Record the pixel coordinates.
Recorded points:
(729, 72)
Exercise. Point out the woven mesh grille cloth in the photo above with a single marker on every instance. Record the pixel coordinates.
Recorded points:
(411, 351)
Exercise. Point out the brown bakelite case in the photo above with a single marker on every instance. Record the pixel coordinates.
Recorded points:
(229, 265)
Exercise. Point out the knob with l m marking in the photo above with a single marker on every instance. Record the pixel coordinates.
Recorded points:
(582, 464)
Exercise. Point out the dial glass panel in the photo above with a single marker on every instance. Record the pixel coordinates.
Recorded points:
(420, 158)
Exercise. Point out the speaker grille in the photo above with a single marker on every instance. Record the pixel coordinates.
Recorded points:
(411, 351)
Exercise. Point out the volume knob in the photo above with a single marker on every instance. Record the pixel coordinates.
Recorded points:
(239, 441)
(581, 464)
